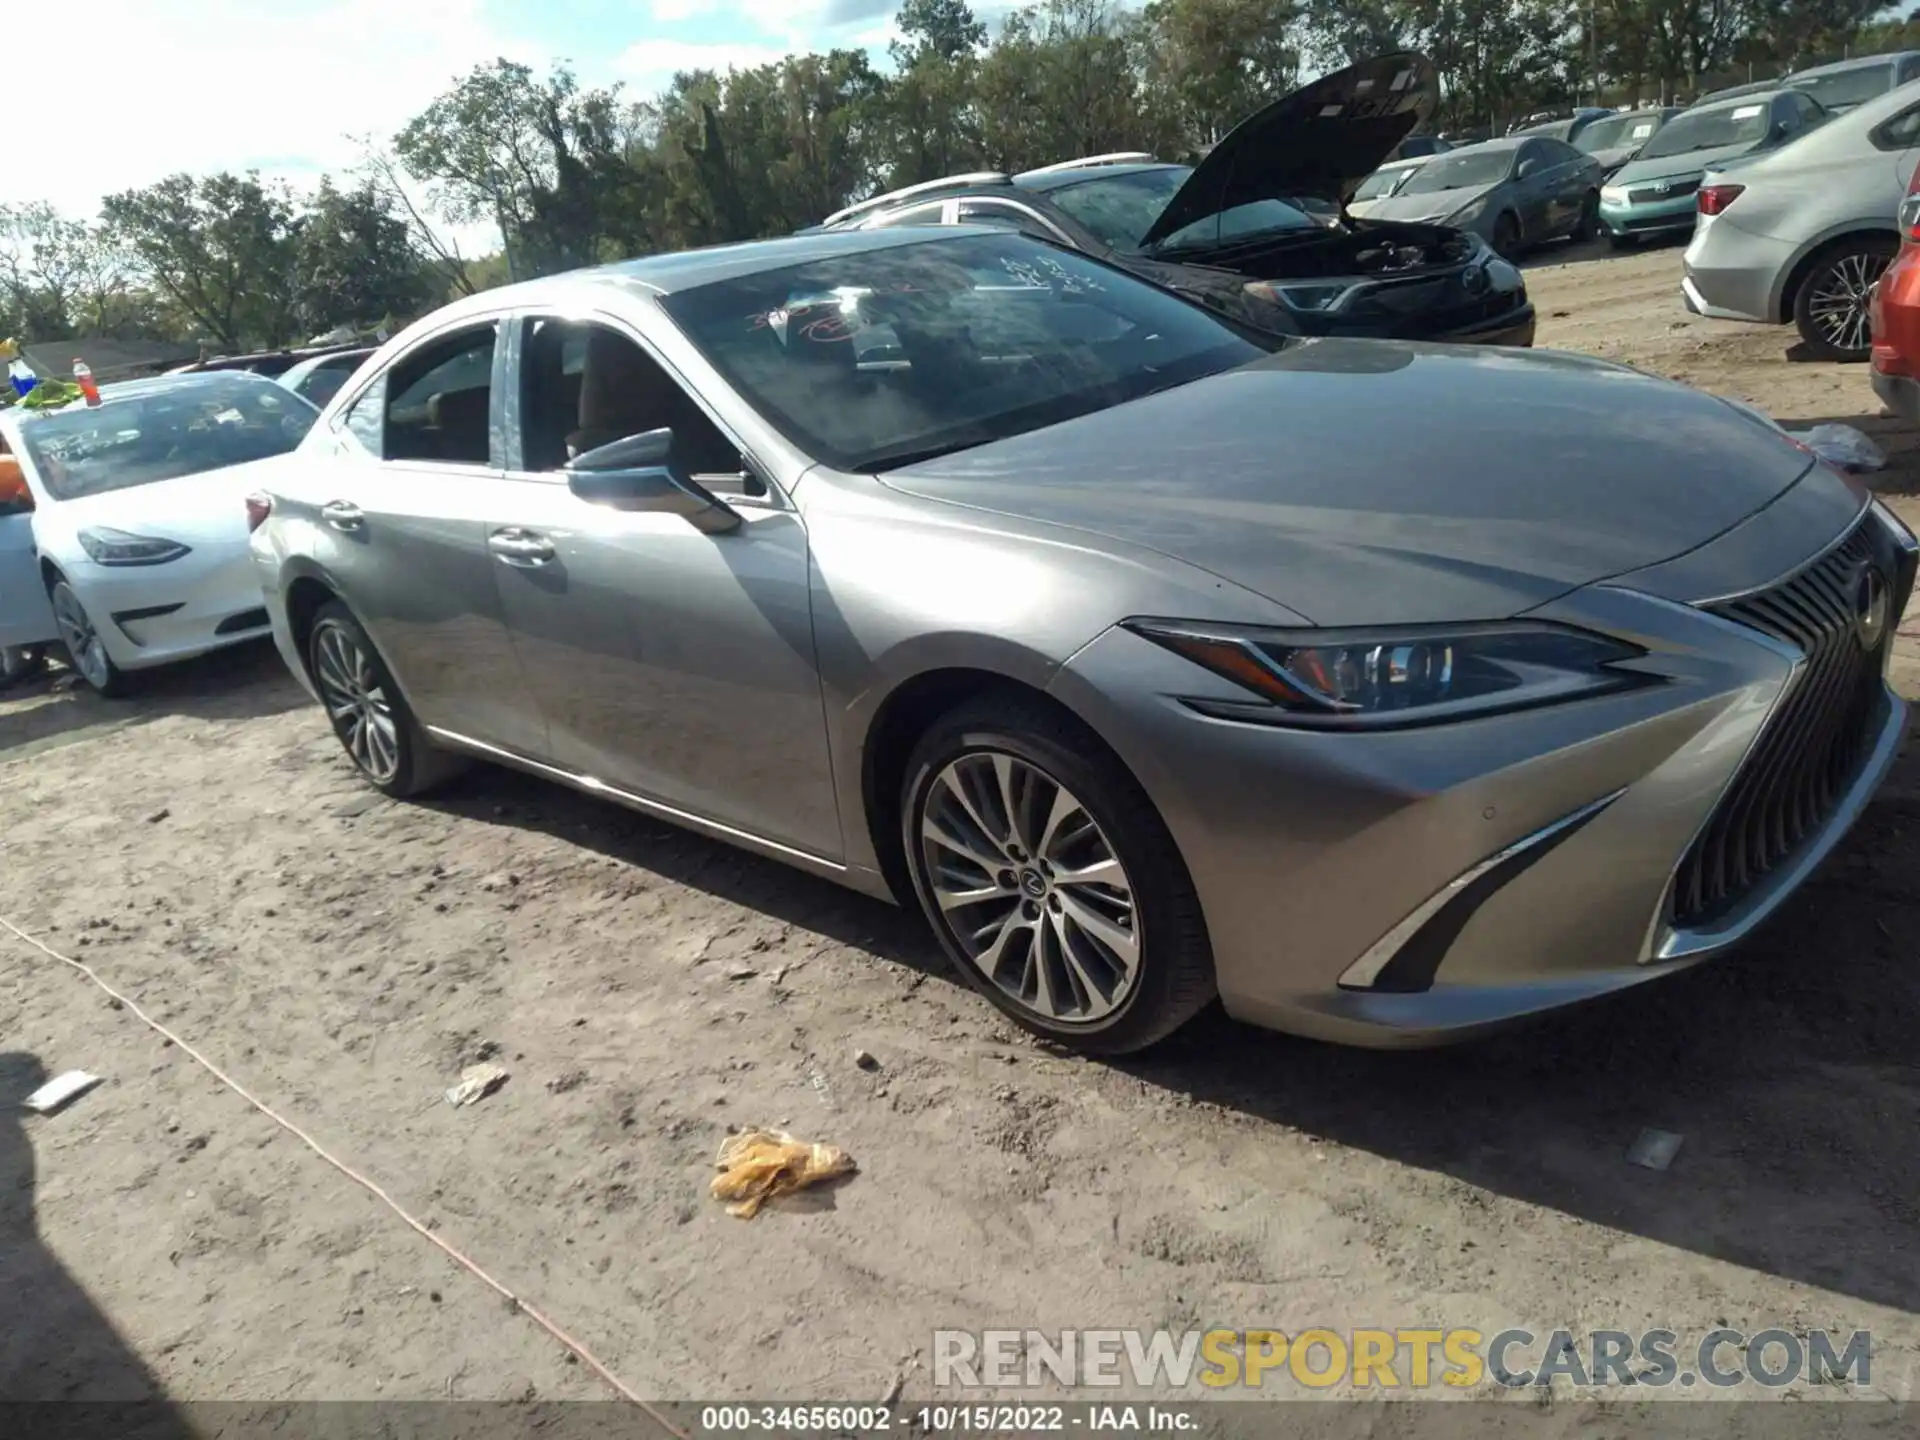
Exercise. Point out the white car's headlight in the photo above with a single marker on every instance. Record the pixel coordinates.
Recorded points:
(105, 546)
(1613, 195)
(1420, 675)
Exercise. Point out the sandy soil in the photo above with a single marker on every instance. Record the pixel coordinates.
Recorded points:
(208, 849)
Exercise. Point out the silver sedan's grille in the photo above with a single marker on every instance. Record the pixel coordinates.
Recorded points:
(1810, 749)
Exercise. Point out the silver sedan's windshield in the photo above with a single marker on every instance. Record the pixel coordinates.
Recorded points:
(882, 357)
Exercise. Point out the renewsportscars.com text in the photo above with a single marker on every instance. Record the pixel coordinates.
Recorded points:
(1407, 1358)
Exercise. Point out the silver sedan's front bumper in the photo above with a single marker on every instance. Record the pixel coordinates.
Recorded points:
(1528, 858)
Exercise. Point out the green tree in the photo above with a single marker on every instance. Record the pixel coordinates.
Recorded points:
(61, 277)
(355, 262)
(220, 250)
(945, 29)
(1060, 81)
(927, 111)
(545, 160)
(1210, 63)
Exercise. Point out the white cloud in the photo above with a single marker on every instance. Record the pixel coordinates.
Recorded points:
(203, 85)
(671, 12)
(649, 66)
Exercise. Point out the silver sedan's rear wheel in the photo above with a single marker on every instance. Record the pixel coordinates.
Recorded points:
(357, 702)
(85, 649)
(1050, 878)
(366, 709)
(1031, 887)
(1831, 307)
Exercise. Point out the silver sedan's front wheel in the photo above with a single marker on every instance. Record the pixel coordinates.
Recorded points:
(85, 648)
(1050, 878)
(366, 709)
(1031, 887)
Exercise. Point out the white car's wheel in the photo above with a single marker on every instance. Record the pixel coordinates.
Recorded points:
(86, 651)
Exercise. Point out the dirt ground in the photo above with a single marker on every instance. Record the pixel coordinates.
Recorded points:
(208, 849)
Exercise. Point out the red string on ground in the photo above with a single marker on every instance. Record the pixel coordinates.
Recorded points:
(586, 1356)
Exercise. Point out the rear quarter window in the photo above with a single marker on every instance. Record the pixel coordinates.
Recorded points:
(1898, 132)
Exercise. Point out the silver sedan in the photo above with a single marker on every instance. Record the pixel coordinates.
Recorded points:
(1801, 234)
(1388, 692)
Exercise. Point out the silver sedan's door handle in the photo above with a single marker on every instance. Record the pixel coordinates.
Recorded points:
(520, 547)
(342, 515)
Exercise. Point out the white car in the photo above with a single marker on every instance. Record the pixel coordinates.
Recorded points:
(1383, 184)
(139, 521)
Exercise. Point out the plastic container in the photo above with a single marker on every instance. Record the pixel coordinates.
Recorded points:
(20, 375)
(83, 377)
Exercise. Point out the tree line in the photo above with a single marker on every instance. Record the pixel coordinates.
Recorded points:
(574, 174)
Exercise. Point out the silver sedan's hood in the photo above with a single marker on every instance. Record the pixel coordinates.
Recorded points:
(1434, 207)
(1370, 482)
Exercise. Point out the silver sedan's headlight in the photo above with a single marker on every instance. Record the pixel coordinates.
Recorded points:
(1615, 195)
(1419, 675)
(105, 546)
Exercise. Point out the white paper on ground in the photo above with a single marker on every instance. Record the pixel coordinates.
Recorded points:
(59, 1090)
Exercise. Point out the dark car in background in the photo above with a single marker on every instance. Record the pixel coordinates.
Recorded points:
(1259, 229)
(318, 376)
(1558, 124)
(1512, 193)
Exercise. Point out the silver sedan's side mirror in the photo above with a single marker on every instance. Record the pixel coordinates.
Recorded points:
(639, 473)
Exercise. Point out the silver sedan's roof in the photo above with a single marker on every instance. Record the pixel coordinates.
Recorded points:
(1857, 62)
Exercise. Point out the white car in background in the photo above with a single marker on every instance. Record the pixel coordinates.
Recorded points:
(139, 519)
(1383, 184)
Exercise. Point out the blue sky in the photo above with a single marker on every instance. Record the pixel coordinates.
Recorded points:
(204, 85)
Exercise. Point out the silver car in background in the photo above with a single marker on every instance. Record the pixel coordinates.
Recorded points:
(1843, 84)
(1133, 647)
(1800, 235)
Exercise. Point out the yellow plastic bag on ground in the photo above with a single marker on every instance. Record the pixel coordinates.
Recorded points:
(757, 1165)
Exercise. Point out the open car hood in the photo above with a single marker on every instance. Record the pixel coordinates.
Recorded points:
(1320, 141)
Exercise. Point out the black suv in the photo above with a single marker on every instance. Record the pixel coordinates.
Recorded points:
(1259, 229)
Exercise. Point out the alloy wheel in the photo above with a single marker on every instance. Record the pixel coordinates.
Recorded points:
(84, 645)
(1031, 887)
(1837, 304)
(357, 703)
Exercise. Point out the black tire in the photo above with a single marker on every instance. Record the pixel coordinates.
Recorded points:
(1624, 242)
(79, 641)
(1588, 225)
(1506, 237)
(1172, 979)
(1849, 267)
(415, 765)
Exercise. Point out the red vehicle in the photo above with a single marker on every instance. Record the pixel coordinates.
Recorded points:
(1895, 313)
